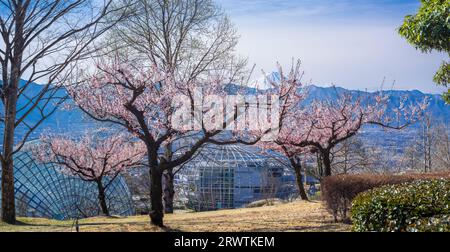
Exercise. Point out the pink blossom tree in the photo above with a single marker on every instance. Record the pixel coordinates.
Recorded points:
(321, 126)
(324, 124)
(92, 158)
(329, 123)
(292, 92)
(141, 100)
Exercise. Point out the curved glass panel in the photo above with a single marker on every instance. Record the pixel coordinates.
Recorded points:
(231, 177)
(43, 191)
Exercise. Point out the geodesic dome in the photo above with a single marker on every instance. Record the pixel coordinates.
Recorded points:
(232, 176)
(44, 191)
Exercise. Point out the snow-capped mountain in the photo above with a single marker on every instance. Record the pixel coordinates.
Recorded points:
(265, 81)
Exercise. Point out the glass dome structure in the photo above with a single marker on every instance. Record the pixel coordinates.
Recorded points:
(221, 177)
(43, 191)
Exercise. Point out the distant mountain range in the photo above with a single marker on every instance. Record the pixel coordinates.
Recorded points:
(437, 107)
(63, 120)
(75, 122)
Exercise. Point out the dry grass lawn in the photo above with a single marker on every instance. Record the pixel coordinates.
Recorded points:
(297, 216)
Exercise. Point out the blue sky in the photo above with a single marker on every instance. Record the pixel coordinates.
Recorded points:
(350, 43)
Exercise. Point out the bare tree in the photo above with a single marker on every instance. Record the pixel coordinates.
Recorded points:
(350, 156)
(186, 37)
(40, 42)
(411, 157)
(427, 140)
(441, 153)
(429, 150)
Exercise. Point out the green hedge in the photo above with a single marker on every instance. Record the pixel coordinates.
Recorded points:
(440, 223)
(339, 191)
(401, 207)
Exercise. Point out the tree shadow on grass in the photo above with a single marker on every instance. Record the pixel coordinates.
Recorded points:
(93, 224)
(99, 224)
(25, 224)
(171, 230)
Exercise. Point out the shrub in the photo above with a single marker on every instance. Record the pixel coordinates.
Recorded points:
(440, 223)
(339, 191)
(402, 207)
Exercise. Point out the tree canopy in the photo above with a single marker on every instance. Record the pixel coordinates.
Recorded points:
(429, 30)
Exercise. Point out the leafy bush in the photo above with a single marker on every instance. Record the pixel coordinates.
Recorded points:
(439, 223)
(402, 207)
(339, 191)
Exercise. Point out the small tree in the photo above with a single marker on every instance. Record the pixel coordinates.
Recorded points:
(429, 30)
(92, 158)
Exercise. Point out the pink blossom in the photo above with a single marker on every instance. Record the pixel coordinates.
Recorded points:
(90, 157)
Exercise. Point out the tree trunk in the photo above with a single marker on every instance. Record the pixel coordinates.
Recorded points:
(345, 160)
(8, 204)
(156, 210)
(326, 162)
(319, 164)
(301, 188)
(10, 106)
(169, 191)
(102, 198)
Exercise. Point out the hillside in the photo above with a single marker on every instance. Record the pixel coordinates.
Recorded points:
(296, 216)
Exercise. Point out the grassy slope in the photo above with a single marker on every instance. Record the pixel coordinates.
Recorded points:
(296, 216)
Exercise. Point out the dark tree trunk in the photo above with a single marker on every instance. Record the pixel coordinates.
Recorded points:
(156, 211)
(301, 188)
(297, 165)
(169, 191)
(102, 198)
(319, 164)
(326, 162)
(10, 106)
(8, 204)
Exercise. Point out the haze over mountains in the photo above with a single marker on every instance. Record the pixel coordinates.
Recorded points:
(75, 122)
